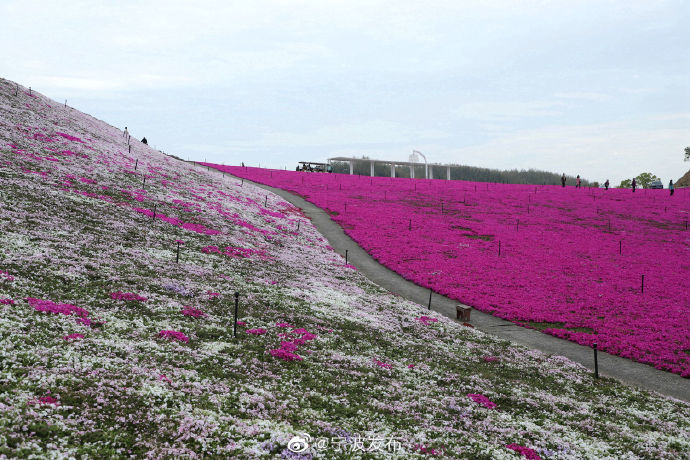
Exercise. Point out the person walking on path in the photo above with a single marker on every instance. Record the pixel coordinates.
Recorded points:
(578, 184)
(634, 184)
(563, 180)
(670, 187)
(606, 184)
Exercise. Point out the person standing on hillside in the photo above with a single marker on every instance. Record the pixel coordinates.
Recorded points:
(578, 184)
(606, 184)
(125, 134)
(563, 180)
(634, 184)
(670, 187)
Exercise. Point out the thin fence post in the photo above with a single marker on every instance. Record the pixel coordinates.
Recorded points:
(237, 303)
(596, 362)
(346, 256)
(177, 259)
(642, 285)
(430, 292)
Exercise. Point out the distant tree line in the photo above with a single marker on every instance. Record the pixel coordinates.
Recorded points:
(461, 172)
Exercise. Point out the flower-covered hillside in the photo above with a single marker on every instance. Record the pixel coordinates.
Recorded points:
(111, 346)
(592, 266)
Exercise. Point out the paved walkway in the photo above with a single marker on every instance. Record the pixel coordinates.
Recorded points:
(630, 372)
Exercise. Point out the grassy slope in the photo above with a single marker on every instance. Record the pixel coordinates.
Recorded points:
(122, 390)
(683, 181)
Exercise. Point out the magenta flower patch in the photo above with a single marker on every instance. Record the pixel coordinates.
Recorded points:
(173, 335)
(258, 331)
(382, 364)
(73, 337)
(285, 354)
(524, 451)
(49, 306)
(44, 400)
(481, 399)
(426, 320)
(129, 296)
(193, 312)
(69, 137)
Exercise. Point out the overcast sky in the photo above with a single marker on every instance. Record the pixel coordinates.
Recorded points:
(600, 89)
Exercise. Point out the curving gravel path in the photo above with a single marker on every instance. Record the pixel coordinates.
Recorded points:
(630, 372)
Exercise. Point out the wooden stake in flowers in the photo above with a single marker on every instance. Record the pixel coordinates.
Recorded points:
(154, 210)
(136, 164)
(430, 292)
(499, 248)
(237, 304)
(642, 285)
(346, 256)
(298, 222)
(177, 259)
(144, 183)
(596, 361)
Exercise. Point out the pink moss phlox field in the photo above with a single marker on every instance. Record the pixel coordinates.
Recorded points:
(481, 399)
(524, 451)
(173, 335)
(571, 259)
(6, 302)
